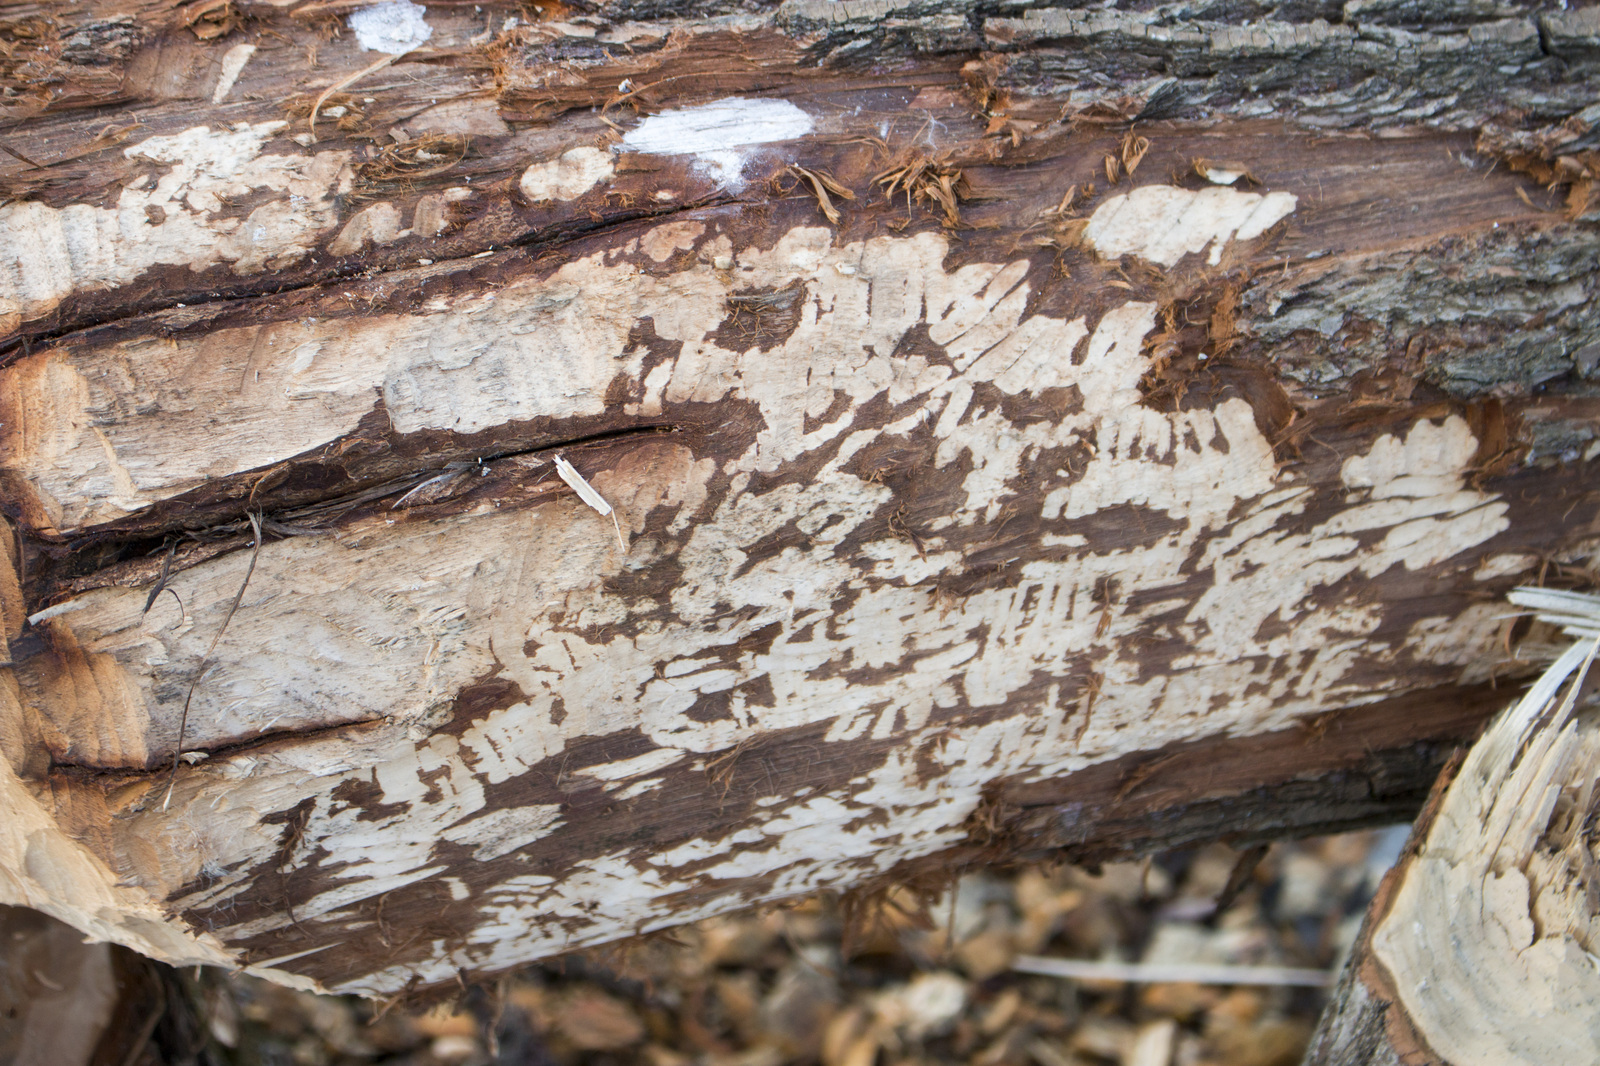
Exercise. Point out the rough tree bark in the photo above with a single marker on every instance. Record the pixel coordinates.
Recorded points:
(1027, 429)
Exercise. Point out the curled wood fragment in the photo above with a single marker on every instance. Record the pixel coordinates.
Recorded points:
(1132, 151)
(825, 188)
(922, 178)
(1219, 173)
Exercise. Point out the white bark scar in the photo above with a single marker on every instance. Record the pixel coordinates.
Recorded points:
(568, 176)
(1162, 223)
(714, 132)
(51, 252)
(393, 26)
(857, 644)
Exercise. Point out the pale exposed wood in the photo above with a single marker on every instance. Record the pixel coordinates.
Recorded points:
(1481, 947)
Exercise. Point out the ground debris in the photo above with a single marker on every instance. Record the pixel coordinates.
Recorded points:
(914, 975)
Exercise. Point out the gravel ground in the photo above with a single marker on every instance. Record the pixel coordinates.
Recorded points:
(883, 982)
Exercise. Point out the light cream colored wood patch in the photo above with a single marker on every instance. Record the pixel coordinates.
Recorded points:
(233, 64)
(42, 867)
(662, 242)
(391, 621)
(568, 176)
(377, 223)
(284, 387)
(1491, 938)
(1163, 223)
(171, 218)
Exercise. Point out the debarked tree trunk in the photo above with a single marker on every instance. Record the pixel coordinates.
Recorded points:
(553, 480)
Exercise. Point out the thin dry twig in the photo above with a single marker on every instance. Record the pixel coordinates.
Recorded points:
(1162, 973)
(183, 720)
(344, 83)
(161, 582)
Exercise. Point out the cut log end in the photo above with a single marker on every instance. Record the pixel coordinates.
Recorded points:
(1480, 948)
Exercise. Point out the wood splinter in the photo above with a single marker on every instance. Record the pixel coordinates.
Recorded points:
(1480, 948)
(586, 492)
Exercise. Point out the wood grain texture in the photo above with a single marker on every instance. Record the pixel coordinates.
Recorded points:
(1053, 497)
(1478, 948)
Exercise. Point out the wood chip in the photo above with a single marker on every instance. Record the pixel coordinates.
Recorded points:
(586, 492)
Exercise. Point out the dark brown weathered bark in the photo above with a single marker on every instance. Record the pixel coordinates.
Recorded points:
(1032, 432)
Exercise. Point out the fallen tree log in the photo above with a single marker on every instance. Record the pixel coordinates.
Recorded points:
(548, 482)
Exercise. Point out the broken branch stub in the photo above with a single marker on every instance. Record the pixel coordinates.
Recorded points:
(947, 535)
